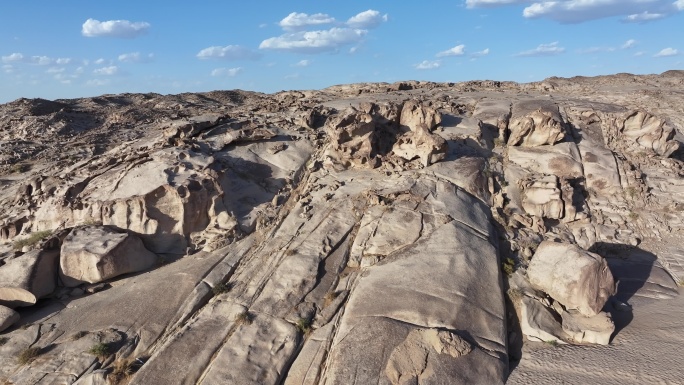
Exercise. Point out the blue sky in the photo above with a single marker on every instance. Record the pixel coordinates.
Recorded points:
(85, 48)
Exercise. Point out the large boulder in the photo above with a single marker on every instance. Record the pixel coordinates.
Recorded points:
(535, 123)
(8, 317)
(27, 278)
(95, 253)
(574, 277)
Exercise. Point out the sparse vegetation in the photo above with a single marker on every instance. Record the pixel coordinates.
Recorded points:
(515, 295)
(122, 370)
(32, 239)
(499, 142)
(553, 343)
(3, 340)
(329, 298)
(680, 283)
(28, 355)
(631, 191)
(79, 335)
(220, 288)
(244, 318)
(304, 325)
(291, 252)
(19, 168)
(508, 266)
(100, 350)
(633, 216)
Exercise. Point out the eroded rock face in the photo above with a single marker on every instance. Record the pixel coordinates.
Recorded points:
(649, 132)
(576, 278)
(535, 123)
(592, 330)
(94, 254)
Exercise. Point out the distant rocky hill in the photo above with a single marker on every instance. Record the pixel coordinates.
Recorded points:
(406, 233)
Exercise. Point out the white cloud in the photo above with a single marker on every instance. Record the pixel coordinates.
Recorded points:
(640, 53)
(577, 11)
(114, 28)
(491, 3)
(15, 57)
(665, 52)
(230, 72)
(41, 60)
(595, 50)
(229, 52)
(297, 21)
(428, 65)
(109, 71)
(643, 17)
(484, 52)
(314, 41)
(136, 57)
(99, 61)
(303, 63)
(630, 43)
(543, 50)
(55, 70)
(367, 19)
(98, 82)
(456, 51)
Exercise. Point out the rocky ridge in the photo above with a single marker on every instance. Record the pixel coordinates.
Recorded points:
(401, 233)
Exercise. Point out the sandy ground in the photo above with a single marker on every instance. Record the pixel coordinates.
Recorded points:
(647, 351)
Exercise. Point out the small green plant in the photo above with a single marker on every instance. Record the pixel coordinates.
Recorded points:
(508, 266)
(100, 350)
(329, 298)
(553, 343)
(633, 216)
(244, 318)
(680, 283)
(3, 340)
(79, 335)
(32, 239)
(19, 168)
(291, 252)
(28, 355)
(304, 325)
(220, 288)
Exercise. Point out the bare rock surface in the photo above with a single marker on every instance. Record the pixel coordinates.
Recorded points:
(406, 233)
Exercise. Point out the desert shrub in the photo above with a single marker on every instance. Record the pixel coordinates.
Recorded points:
(28, 355)
(121, 370)
(3, 340)
(328, 298)
(243, 318)
(32, 239)
(508, 266)
(220, 288)
(304, 325)
(100, 350)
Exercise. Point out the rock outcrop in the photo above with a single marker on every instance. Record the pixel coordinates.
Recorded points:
(29, 277)
(95, 254)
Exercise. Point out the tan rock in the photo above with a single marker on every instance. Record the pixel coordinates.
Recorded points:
(8, 317)
(29, 277)
(574, 277)
(95, 254)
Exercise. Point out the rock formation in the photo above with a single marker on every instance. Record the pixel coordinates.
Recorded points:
(407, 233)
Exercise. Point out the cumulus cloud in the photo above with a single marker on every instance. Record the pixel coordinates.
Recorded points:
(109, 71)
(114, 28)
(484, 52)
(11, 58)
(314, 41)
(643, 17)
(136, 57)
(100, 61)
(550, 49)
(630, 43)
(303, 63)
(297, 21)
(577, 11)
(229, 52)
(41, 60)
(367, 19)
(459, 50)
(665, 52)
(428, 65)
(230, 72)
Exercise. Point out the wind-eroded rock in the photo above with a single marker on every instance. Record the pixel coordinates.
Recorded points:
(27, 278)
(535, 123)
(95, 254)
(576, 278)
